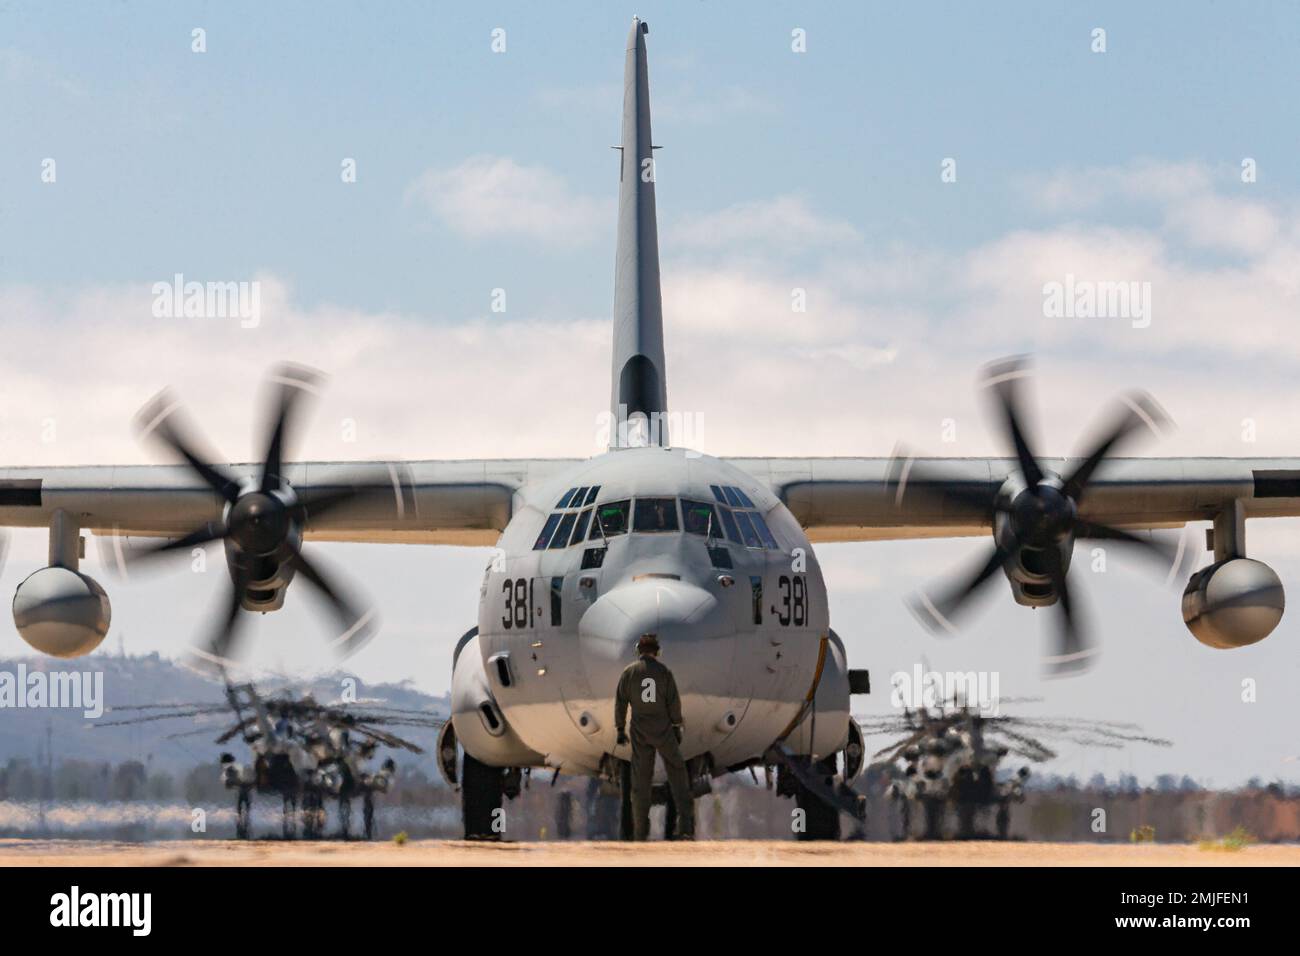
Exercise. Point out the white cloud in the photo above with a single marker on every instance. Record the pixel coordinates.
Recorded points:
(783, 223)
(1229, 224)
(1203, 207)
(888, 348)
(491, 197)
(1145, 180)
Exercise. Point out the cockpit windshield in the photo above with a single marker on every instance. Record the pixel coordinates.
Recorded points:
(611, 519)
(719, 523)
(699, 517)
(655, 514)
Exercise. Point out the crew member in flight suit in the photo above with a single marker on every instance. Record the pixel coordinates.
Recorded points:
(647, 686)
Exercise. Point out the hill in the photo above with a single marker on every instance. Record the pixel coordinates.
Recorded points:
(111, 683)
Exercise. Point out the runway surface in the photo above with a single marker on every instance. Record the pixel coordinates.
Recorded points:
(729, 853)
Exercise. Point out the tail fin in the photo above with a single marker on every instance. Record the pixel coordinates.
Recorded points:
(639, 385)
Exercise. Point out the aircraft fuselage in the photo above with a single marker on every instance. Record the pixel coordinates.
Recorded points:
(650, 540)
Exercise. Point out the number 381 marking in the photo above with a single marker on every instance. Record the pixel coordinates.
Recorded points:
(794, 600)
(519, 603)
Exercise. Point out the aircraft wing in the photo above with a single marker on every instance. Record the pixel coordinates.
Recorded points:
(873, 499)
(425, 502)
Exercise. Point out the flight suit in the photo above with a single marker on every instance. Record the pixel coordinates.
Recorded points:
(653, 731)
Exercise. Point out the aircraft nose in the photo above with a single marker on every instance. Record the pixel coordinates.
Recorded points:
(698, 643)
(680, 614)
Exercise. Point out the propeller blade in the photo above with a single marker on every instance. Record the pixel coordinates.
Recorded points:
(1003, 378)
(1156, 548)
(294, 382)
(390, 492)
(938, 616)
(1074, 650)
(215, 654)
(908, 475)
(321, 503)
(1138, 410)
(160, 417)
(358, 628)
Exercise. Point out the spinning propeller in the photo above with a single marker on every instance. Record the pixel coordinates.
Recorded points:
(1036, 516)
(262, 521)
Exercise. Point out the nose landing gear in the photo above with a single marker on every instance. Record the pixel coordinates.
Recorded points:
(820, 795)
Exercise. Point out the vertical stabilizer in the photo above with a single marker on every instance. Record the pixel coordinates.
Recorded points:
(639, 384)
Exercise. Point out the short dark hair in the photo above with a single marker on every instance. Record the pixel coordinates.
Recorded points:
(647, 644)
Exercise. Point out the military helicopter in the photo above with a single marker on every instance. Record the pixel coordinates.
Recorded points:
(302, 751)
(950, 758)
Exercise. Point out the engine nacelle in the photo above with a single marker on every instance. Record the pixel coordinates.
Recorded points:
(61, 612)
(1031, 586)
(480, 725)
(1233, 603)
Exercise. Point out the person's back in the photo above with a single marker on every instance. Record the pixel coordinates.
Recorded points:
(647, 688)
(650, 690)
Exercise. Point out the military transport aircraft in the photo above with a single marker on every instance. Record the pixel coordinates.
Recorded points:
(715, 556)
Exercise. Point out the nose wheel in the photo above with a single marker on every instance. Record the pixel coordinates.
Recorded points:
(481, 791)
(820, 795)
(821, 819)
(625, 825)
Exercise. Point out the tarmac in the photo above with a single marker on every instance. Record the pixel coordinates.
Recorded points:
(460, 853)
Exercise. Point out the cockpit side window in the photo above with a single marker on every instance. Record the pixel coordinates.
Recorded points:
(547, 530)
(747, 530)
(611, 519)
(578, 498)
(764, 531)
(744, 498)
(700, 517)
(733, 499)
(729, 523)
(718, 495)
(655, 514)
(561, 539)
(564, 501)
(591, 493)
(580, 529)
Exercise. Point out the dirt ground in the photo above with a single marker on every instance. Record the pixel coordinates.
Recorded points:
(730, 853)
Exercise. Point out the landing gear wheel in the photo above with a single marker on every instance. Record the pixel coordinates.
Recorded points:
(345, 817)
(368, 815)
(289, 824)
(821, 819)
(1003, 821)
(243, 814)
(626, 830)
(481, 790)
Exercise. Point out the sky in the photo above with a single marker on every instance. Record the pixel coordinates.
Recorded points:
(918, 171)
